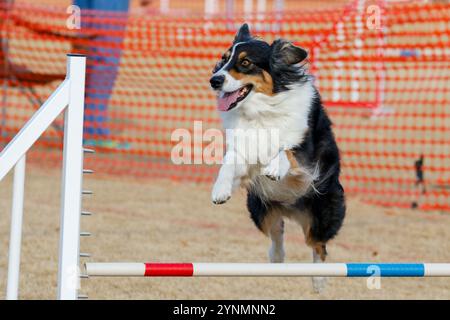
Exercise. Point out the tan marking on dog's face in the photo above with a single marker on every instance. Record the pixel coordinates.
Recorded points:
(262, 82)
(237, 75)
(265, 85)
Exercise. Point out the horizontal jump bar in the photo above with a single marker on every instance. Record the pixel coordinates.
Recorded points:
(123, 269)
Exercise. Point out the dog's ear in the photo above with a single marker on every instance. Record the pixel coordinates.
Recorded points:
(243, 34)
(284, 64)
(287, 52)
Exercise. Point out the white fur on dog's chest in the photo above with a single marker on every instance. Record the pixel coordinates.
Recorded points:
(286, 112)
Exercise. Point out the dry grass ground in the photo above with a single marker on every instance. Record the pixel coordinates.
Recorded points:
(143, 220)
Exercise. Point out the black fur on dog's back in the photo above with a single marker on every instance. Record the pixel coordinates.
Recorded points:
(326, 202)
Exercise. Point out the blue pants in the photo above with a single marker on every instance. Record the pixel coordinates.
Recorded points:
(103, 57)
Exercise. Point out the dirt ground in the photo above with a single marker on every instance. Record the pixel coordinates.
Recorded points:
(142, 220)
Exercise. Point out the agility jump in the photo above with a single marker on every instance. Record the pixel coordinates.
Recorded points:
(69, 97)
(268, 269)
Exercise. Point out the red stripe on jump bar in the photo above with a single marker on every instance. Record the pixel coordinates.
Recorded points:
(169, 269)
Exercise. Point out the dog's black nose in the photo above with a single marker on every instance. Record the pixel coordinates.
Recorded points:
(217, 81)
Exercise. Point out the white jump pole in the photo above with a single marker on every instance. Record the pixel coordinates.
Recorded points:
(268, 269)
(15, 239)
(68, 273)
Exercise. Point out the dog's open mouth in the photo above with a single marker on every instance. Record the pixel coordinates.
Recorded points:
(228, 100)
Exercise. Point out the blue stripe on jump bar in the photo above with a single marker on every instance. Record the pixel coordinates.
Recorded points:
(385, 269)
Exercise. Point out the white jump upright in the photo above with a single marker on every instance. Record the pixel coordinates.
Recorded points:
(72, 178)
(15, 239)
(69, 96)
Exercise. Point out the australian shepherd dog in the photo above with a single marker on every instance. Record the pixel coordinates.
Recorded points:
(266, 86)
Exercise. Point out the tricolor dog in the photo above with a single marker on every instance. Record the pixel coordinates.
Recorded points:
(263, 86)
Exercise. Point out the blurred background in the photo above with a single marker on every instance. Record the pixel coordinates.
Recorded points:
(382, 67)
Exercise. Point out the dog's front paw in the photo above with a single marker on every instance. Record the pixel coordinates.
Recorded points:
(220, 193)
(277, 167)
(273, 172)
(273, 177)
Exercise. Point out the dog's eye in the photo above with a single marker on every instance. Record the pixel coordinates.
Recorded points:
(245, 63)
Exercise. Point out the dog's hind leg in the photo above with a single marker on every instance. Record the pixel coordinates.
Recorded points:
(276, 233)
(319, 256)
(319, 249)
(269, 220)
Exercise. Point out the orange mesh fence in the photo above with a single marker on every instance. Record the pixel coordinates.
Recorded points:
(385, 87)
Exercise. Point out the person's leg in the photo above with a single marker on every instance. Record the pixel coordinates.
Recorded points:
(83, 4)
(115, 6)
(108, 58)
(103, 63)
(90, 105)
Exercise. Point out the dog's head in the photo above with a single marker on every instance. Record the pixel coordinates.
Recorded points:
(252, 66)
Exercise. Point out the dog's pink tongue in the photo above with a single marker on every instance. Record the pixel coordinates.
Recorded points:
(224, 102)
